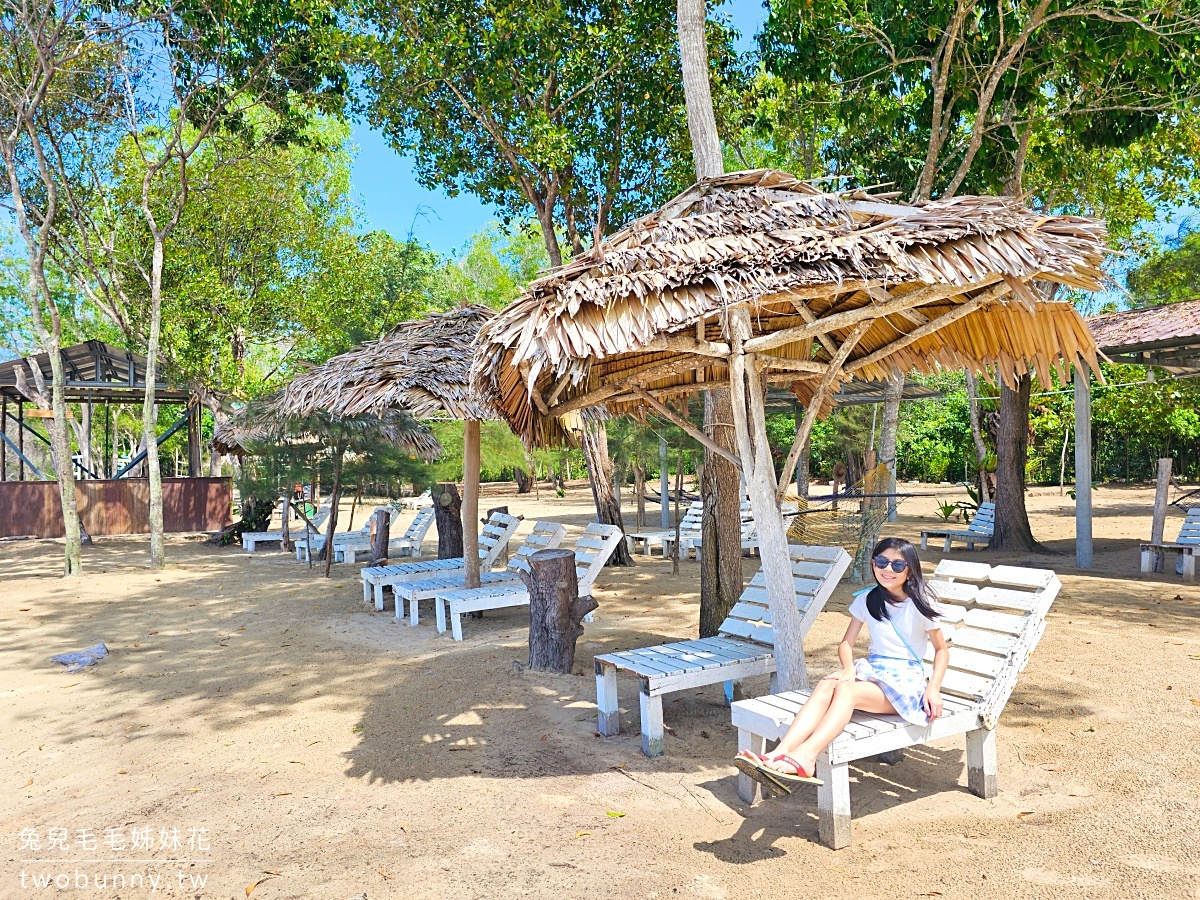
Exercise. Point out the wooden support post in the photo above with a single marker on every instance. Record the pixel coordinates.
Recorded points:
(664, 485)
(3, 445)
(470, 504)
(555, 610)
(981, 763)
(21, 438)
(1083, 466)
(193, 439)
(608, 718)
(1159, 523)
(285, 530)
(833, 803)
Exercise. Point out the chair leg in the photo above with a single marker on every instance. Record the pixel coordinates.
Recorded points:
(946, 546)
(748, 788)
(366, 591)
(455, 623)
(413, 612)
(981, 763)
(924, 541)
(652, 723)
(1189, 565)
(608, 719)
(379, 596)
(439, 611)
(833, 803)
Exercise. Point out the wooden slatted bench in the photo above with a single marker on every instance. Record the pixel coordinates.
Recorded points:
(1001, 615)
(648, 539)
(497, 532)
(979, 531)
(544, 536)
(743, 647)
(592, 552)
(408, 544)
(1185, 545)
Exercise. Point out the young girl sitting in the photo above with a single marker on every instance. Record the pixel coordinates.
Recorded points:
(901, 619)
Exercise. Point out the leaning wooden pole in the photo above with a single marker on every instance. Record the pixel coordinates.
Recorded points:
(470, 504)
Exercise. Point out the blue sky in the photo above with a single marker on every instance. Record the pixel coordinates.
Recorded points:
(392, 200)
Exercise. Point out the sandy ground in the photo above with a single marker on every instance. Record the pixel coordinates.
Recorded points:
(258, 725)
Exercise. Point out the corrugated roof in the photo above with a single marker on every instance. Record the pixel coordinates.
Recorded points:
(1155, 327)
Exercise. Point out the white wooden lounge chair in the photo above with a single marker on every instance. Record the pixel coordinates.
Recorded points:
(648, 539)
(494, 537)
(1001, 613)
(695, 544)
(592, 552)
(408, 544)
(313, 543)
(421, 500)
(545, 536)
(744, 646)
(252, 538)
(978, 532)
(1185, 545)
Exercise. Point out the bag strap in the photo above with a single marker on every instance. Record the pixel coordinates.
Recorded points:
(905, 641)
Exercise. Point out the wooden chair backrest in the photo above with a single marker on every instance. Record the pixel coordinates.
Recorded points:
(496, 533)
(999, 615)
(545, 536)
(816, 571)
(1189, 531)
(420, 524)
(592, 552)
(984, 521)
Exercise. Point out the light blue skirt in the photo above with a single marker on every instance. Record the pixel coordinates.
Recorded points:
(902, 682)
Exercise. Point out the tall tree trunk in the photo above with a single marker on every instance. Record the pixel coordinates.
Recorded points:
(721, 562)
(59, 439)
(335, 499)
(893, 390)
(150, 410)
(600, 476)
(981, 452)
(721, 527)
(1012, 530)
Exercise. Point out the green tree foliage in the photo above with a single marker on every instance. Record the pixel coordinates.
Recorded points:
(1170, 275)
(571, 109)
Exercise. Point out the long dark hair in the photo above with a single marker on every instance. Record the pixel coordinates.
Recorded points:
(914, 583)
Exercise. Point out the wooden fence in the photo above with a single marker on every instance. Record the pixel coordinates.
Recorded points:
(115, 506)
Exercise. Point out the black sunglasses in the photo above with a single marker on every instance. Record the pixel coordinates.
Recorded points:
(898, 565)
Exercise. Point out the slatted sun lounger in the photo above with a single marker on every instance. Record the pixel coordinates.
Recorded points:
(314, 543)
(494, 537)
(1000, 614)
(1186, 545)
(251, 538)
(744, 646)
(421, 500)
(544, 536)
(592, 551)
(409, 544)
(648, 539)
(978, 532)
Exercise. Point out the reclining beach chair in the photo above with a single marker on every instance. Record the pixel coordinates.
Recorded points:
(1185, 545)
(408, 544)
(743, 647)
(648, 539)
(545, 536)
(978, 532)
(315, 542)
(592, 551)
(421, 500)
(696, 544)
(1001, 613)
(497, 532)
(251, 538)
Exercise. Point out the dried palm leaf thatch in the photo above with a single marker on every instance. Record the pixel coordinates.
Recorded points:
(263, 423)
(947, 283)
(422, 367)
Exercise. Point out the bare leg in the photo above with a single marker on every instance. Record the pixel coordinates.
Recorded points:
(847, 697)
(807, 720)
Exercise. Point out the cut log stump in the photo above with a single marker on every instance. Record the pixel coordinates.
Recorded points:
(381, 533)
(448, 516)
(556, 610)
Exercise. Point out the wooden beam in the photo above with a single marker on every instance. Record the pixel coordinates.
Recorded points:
(930, 327)
(670, 415)
(879, 293)
(852, 317)
(559, 387)
(470, 502)
(598, 396)
(686, 343)
(807, 315)
(814, 406)
(810, 366)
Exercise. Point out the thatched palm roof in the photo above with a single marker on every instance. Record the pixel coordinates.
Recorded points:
(643, 310)
(263, 423)
(422, 367)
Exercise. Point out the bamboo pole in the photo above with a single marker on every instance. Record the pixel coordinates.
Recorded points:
(470, 504)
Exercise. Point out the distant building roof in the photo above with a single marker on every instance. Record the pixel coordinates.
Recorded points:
(95, 371)
(1166, 336)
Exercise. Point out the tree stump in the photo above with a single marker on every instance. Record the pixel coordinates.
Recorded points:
(555, 610)
(448, 515)
(381, 529)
